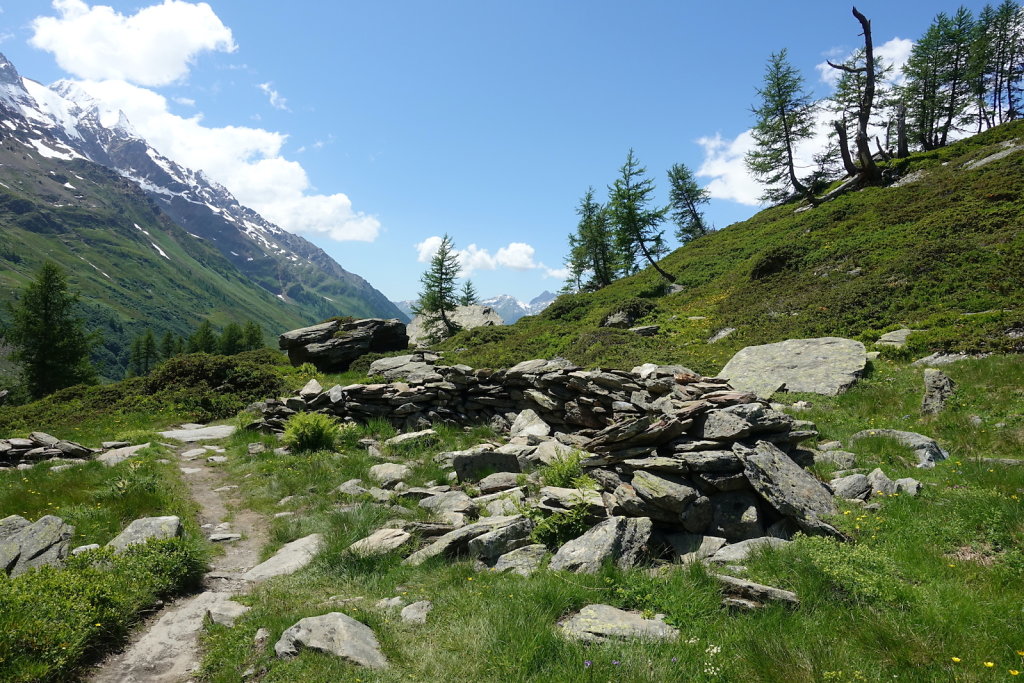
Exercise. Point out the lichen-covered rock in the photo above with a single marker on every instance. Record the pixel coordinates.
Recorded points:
(334, 634)
(827, 365)
(623, 540)
(332, 346)
(43, 542)
(600, 623)
(142, 530)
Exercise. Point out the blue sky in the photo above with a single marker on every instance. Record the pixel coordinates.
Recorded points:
(372, 127)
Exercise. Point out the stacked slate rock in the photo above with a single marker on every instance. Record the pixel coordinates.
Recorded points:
(333, 345)
(685, 465)
(37, 447)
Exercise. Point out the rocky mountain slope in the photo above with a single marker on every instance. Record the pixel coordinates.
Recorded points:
(939, 252)
(148, 242)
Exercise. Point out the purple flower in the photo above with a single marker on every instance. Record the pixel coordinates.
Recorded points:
(587, 663)
(616, 662)
(675, 659)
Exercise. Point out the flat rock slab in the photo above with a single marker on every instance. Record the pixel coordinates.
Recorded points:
(826, 365)
(380, 542)
(523, 561)
(600, 623)
(288, 560)
(226, 612)
(417, 612)
(119, 455)
(200, 433)
(756, 592)
(739, 552)
(926, 449)
(336, 634)
(169, 651)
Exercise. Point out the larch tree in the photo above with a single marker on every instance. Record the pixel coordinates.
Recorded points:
(634, 219)
(252, 336)
(592, 253)
(686, 202)
(204, 339)
(468, 295)
(438, 299)
(49, 337)
(785, 117)
(231, 340)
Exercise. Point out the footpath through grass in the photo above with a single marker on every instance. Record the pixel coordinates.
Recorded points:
(53, 622)
(928, 589)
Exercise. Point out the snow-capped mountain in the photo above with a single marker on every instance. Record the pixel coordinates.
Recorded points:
(507, 306)
(64, 122)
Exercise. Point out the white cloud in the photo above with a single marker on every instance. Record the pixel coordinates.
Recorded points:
(185, 101)
(276, 101)
(514, 255)
(154, 46)
(894, 52)
(246, 160)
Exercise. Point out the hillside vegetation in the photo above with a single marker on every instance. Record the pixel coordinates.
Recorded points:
(943, 254)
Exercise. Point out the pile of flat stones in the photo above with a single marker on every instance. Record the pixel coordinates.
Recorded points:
(37, 447)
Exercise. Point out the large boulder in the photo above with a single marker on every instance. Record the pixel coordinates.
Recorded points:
(141, 530)
(938, 388)
(334, 634)
(467, 317)
(44, 542)
(333, 345)
(619, 539)
(289, 559)
(827, 365)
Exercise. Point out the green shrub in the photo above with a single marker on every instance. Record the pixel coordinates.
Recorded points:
(856, 571)
(566, 471)
(54, 619)
(561, 527)
(776, 260)
(311, 432)
(635, 308)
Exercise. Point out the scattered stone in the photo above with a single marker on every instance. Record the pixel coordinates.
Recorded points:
(279, 515)
(256, 448)
(528, 423)
(216, 459)
(85, 548)
(224, 537)
(336, 634)
(499, 481)
(908, 485)
(190, 470)
(896, 339)
(225, 489)
(119, 455)
(600, 623)
(621, 539)
(390, 603)
(411, 437)
(938, 388)
(193, 453)
(457, 542)
(940, 359)
(389, 474)
(827, 365)
(851, 486)
(115, 444)
(380, 542)
(226, 612)
(645, 330)
(523, 561)
(739, 552)
(720, 335)
(417, 612)
(925, 448)
(288, 560)
(687, 548)
(451, 501)
(352, 487)
(472, 465)
(843, 460)
(142, 530)
(490, 546)
(756, 592)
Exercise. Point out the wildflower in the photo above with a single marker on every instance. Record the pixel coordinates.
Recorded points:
(1020, 652)
(955, 659)
(1014, 672)
(616, 662)
(675, 659)
(587, 663)
(989, 665)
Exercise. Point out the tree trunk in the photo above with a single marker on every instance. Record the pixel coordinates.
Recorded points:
(647, 255)
(844, 148)
(902, 145)
(869, 173)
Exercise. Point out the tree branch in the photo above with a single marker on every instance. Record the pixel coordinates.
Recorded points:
(847, 69)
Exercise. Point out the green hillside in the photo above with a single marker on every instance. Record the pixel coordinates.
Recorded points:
(84, 217)
(944, 255)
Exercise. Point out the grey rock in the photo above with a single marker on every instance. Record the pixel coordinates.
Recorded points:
(390, 603)
(146, 528)
(311, 390)
(688, 548)
(451, 501)
(41, 543)
(938, 388)
(288, 560)
(226, 612)
(380, 542)
(388, 474)
(224, 537)
(622, 540)
(645, 330)
(555, 498)
(665, 491)
(85, 548)
(720, 335)
(335, 634)
(193, 434)
(880, 484)
(756, 592)
(119, 455)
(352, 487)
(844, 460)
(739, 552)
(827, 365)
(896, 339)
(851, 486)
(417, 612)
(457, 542)
(490, 546)
(497, 482)
(523, 561)
(926, 449)
(908, 485)
(739, 421)
(735, 516)
(411, 437)
(467, 317)
(332, 346)
(528, 423)
(12, 525)
(788, 488)
(940, 359)
(600, 623)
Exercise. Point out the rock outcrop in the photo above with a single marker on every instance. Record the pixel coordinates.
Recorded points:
(333, 345)
(467, 317)
(27, 545)
(37, 447)
(827, 365)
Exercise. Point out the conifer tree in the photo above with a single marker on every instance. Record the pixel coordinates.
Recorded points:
(634, 220)
(438, 299)
(203, 340)
(468, 295)
(231, 339)
(49, 338)
(252, 336)
(784, 118)
(592, 251)
(167, 345)
(686, 199)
